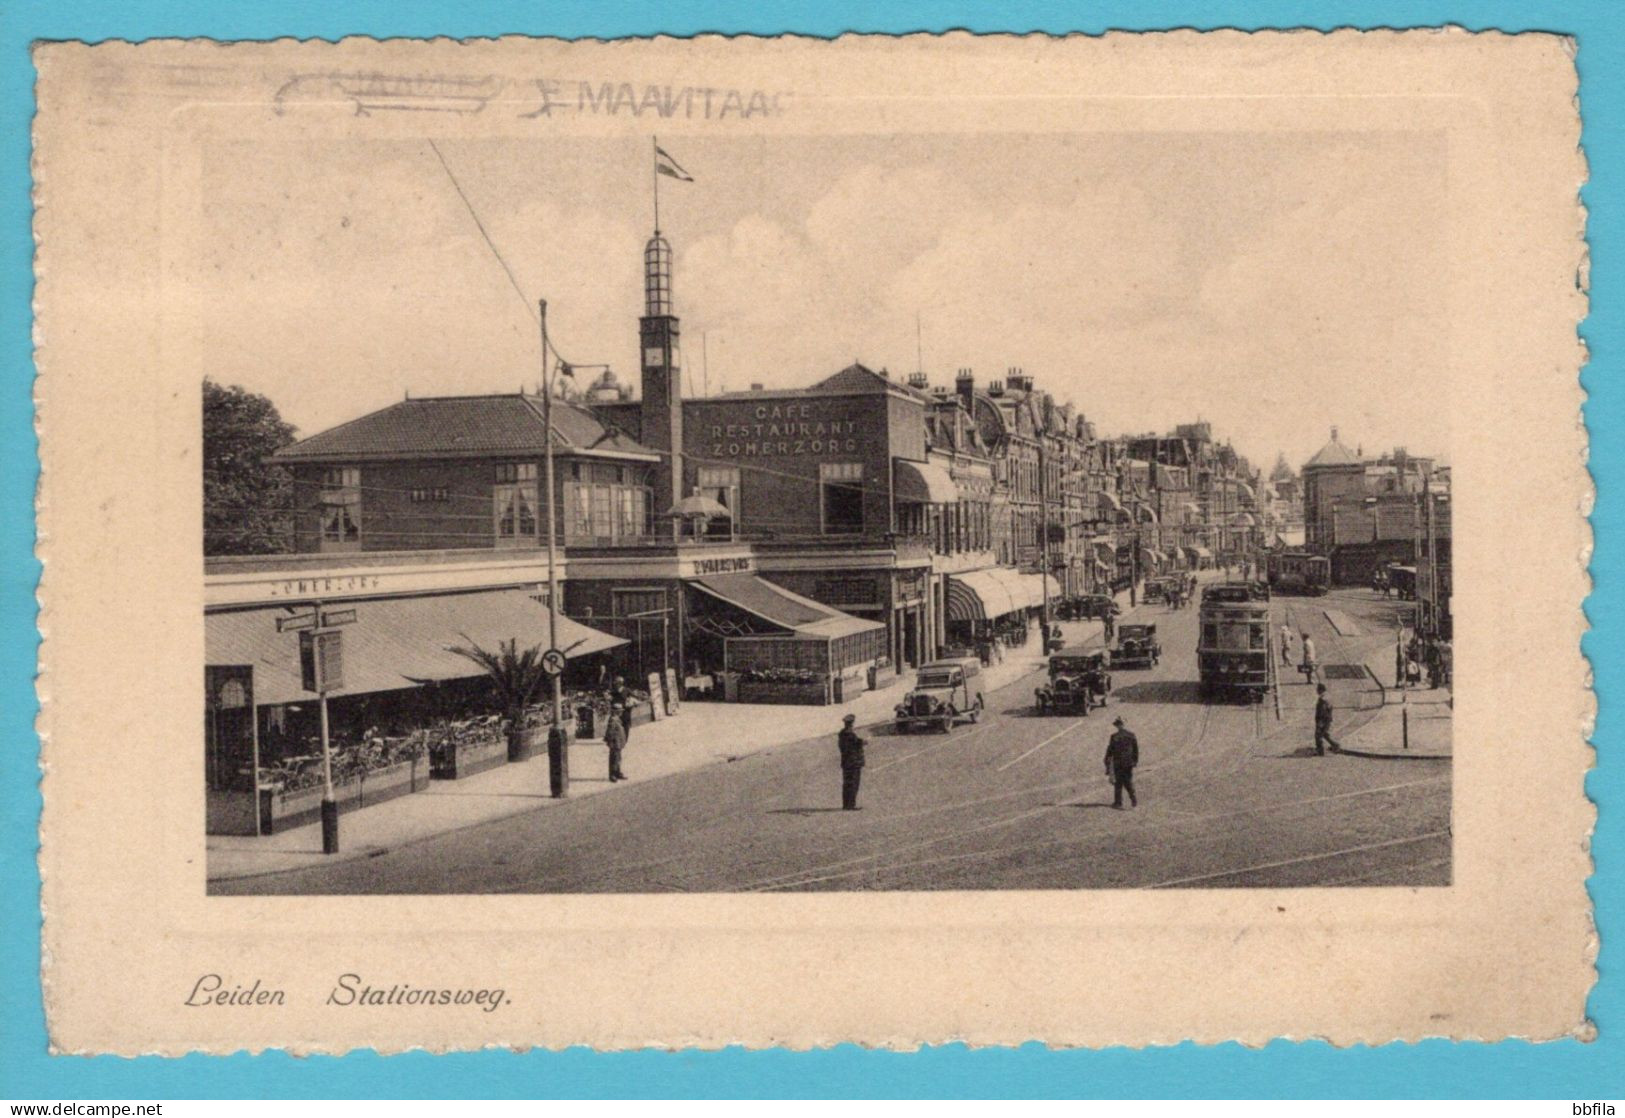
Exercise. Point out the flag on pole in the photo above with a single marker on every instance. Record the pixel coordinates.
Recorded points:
(666, 165)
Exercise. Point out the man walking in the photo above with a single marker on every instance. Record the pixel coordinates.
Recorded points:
(615, 738)
(1122, 754)
(851, 763)
(1286, 645)
(1323, 723)
(1308, 666)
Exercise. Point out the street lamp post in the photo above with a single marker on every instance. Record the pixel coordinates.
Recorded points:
(558, 752)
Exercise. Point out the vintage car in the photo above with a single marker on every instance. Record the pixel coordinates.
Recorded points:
(1136, 646)
(945, 692)
(1078, 681)
(1156, 590)
(1086, 606)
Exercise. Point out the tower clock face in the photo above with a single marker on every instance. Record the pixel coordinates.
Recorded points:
(654, 356)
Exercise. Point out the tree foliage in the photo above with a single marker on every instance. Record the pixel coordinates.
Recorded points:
(247, 500)
(518, 676)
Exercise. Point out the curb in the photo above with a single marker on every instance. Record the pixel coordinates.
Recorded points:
(1375, 756)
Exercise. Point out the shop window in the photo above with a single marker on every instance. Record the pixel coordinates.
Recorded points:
(841, 486)
(508, 473)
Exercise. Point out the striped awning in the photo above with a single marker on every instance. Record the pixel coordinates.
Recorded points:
(978, 596)
(924, 483)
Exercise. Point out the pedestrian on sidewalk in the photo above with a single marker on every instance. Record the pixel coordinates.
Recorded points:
(851, 747)
(1110, 625)
(1286, 645)
(620, 706)
(615, 738)
(1323, 723)
(1308, 666)
(1122, 754)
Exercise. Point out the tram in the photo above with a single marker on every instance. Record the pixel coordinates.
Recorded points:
(1298, 572)
(1233, 643)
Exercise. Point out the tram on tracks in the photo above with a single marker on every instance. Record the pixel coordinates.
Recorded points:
(1233, 657)
(1298, 572)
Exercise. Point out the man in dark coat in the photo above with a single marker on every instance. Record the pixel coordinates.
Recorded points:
(615, 738)
(851, 763)
(1122, 754)
(620, 706)
(1323, 723)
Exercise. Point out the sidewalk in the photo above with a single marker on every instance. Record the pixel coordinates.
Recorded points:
(700, 734)
(1416, 726)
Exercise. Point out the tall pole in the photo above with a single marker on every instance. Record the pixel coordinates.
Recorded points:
(654, 164)
(558, 754)
(1043, 550)
(330, 803)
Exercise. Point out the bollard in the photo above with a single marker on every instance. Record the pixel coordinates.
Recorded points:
(558, 760)
(330, 826)
(1405, 726)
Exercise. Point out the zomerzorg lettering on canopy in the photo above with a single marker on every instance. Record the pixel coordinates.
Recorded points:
(783, 429)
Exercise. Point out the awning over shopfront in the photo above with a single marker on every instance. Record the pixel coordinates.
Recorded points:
(1201, 553)
(924, 483)
(782, 608)
(394, 643)
(979, 596)
(1108, 502)
(1037, 587)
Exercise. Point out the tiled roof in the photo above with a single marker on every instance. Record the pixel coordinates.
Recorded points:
(1333, 453)
(859, 378)
(460, 425)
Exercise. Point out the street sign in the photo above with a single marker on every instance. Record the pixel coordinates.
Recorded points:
(336, 617)
(552, 661)
(299, 621)
(321, 662)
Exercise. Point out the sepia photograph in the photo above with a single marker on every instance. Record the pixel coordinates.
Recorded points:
(896, 512)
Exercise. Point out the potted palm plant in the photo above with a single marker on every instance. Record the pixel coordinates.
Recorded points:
(519, 678)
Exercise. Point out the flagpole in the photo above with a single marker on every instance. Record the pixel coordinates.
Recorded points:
(654, 163)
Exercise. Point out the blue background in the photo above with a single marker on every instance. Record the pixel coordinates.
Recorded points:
(1567, 1069)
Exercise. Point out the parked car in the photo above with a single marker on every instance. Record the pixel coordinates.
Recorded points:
(944, 692)
(1087, 606)
(1136, 646)
(1078, 681)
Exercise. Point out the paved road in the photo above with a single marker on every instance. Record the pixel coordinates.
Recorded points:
(1229, 797)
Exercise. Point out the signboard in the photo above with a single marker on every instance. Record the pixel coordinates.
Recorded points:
(552, 661)
(729, 565)
(321, 661)
(336, 617)
(657, 696)
(299, 621)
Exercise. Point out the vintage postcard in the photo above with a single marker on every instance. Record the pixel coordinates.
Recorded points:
(784, 542)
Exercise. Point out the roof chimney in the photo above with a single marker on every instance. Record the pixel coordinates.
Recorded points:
(965, 388)
(918, 380)
(995, 388)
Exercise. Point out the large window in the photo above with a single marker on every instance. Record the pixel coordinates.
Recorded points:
(604, 502)
(841, 486)
(514, 503)
(721, 484)
(341, 509)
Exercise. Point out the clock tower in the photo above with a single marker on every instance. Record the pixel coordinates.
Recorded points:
(662, 411)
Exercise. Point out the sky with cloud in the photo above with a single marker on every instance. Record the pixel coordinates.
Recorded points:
(1275, 284)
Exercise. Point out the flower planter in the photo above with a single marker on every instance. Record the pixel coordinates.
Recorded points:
(474, 757)
(281, 810)
(815, 693)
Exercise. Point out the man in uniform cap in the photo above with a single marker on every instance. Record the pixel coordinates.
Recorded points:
(1323, 723)
(851, 762)
(1122, 754)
